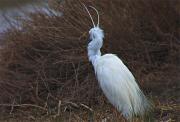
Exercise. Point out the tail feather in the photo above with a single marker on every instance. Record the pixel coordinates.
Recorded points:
(139, 104)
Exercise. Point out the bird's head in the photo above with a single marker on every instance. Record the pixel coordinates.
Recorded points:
(96, 34)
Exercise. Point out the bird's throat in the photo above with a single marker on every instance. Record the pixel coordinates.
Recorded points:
(93, 55)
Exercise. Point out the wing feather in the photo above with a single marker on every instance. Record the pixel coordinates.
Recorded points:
(119, 85)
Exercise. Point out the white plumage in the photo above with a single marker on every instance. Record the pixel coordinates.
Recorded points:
(119, 86)
(115, 79)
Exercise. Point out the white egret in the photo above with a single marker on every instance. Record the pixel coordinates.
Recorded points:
(115, 79)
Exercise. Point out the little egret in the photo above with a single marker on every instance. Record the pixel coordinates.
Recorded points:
(115, 79)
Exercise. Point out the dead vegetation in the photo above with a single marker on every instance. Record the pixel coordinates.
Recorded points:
(46, 62)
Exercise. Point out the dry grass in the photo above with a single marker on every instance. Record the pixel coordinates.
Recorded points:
(46, 62)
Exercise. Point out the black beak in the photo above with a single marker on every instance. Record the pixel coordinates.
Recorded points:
(89, 40)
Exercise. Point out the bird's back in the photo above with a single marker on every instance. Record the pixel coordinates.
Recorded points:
(119, 86)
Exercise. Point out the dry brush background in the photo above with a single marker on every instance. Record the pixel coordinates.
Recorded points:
(45, 63)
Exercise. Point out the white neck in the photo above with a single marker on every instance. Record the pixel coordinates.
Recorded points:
(93, 55)
(94, 50)
(95, 44)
